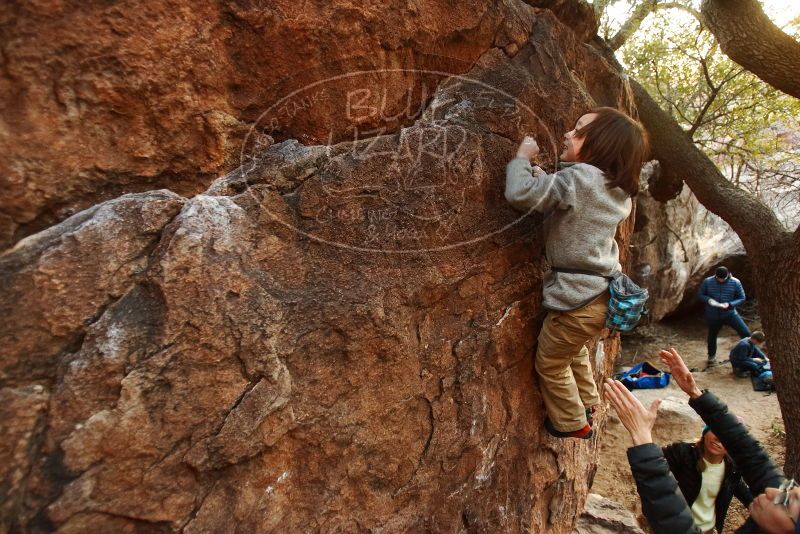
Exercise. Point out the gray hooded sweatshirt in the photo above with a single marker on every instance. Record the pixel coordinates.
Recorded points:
(582, 222)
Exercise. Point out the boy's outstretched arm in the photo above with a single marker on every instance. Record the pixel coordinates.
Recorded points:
(527, 192)
(530, 188)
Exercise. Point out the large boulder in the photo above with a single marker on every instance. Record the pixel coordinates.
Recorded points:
(604, 516)
(101, 99)
(335, 337)
(675, 245)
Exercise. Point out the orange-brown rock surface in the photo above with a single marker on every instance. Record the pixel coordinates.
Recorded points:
(336, 336)
(105, 98)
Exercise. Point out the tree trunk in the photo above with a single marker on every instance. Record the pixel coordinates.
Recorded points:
(750, 38)
(774, 252)
(778, 286)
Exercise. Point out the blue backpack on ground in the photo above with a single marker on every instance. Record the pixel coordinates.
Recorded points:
(644, 376)
(763, 381)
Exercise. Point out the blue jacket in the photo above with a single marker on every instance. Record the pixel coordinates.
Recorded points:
(730, 291)
(745, 350)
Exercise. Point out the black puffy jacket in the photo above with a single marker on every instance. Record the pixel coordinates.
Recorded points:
(662, 502)
(683, 458)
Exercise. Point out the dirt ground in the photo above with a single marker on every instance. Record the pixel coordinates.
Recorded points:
(688, 335)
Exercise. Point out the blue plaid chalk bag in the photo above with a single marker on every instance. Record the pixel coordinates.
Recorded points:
(626, 304)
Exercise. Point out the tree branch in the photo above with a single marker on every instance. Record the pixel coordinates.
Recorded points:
(673, 105)
(599, 8)
(640, 13)
(681, 160)
(751, 39)
(698, 120)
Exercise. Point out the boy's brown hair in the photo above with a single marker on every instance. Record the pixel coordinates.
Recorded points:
(617, 145)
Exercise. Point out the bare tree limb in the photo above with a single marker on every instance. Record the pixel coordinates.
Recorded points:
(673, 106)
(698, 120)
(681, 160)
(640, 13)
(752, 40)
(599, 7)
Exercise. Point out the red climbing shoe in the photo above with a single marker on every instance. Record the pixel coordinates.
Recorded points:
(583, 433)
(590, 415)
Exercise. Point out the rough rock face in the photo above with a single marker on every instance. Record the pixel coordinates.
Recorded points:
(101, 99)
(333, 337)
(675, 245)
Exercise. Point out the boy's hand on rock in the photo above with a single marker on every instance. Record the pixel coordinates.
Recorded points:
(528, 148)
(683, 377)
(636, 419)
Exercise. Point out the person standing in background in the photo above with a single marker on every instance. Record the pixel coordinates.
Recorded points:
(721, 294)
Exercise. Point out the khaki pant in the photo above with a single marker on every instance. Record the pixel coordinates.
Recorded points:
(562, 362)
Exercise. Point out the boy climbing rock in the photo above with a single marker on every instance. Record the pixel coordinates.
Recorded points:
(586, 200)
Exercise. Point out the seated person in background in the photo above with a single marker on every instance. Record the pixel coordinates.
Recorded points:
(776, 508)
(707, 479)
(746, 356)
